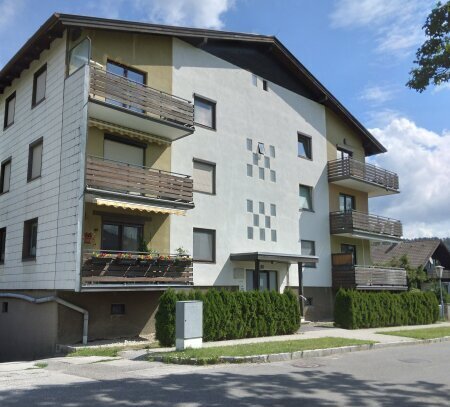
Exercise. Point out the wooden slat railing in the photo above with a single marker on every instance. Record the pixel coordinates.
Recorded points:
(120, 177)
(350, 168)
(353, 221)
(134, 268)
(120, 91)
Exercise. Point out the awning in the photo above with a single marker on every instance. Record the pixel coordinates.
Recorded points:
(274, 257)
(137, 207)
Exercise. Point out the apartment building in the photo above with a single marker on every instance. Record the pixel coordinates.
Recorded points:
(137, 157)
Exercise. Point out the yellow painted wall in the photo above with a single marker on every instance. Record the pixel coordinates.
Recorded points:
(362, 248)
(361, 198)
(156, 227)
(156, 155)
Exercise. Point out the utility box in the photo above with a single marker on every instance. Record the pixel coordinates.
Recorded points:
(189, 324)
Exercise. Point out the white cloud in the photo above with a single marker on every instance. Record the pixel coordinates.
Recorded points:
(396, 24)
(420, 158)
(378, 94)
(440, 88)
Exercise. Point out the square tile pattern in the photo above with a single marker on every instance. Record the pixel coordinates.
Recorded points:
(261, 161)
(261, 222)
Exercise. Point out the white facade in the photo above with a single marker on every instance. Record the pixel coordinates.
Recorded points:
(245, 111)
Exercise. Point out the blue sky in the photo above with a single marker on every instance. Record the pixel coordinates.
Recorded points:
(361, 50)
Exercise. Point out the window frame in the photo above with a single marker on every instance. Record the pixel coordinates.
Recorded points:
(213, 165)
(308, 139)
(2, 174)
(8, 100)
(128, 142)
(347, 196)
(126, 69)
(121, 224)
(311, 194)
(307, 264)
(26, 247)
(30, 159)
(211, 102)
(213, 254)
(2, 245)
(117, 309)
(36, 75)
(342, 151)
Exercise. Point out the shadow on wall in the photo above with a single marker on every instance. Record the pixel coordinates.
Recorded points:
(312, 388)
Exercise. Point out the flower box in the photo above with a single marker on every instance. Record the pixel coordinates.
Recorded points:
(164, 261)
(183, 262)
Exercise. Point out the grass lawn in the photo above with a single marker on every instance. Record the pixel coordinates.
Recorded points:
(211, 355)
(105, 351)
(424, 333)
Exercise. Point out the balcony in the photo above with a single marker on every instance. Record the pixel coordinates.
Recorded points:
(366, 226)
(139, 184)
(103, 269)
(347, 275)
(122, 102)
(363, 177)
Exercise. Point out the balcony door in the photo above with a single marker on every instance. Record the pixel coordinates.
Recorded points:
(349, 249)
(123, 151)
(268, 280)
(121, 237)
(346, 203)
(343, 154)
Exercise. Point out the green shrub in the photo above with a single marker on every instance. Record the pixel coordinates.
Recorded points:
(358, 309)
(232, 314)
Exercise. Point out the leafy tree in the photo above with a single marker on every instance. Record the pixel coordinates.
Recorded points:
(414, 276)
(433, 57)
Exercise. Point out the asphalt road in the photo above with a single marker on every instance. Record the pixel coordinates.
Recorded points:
(402, 376)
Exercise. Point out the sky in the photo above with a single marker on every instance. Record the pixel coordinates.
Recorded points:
(361, 50)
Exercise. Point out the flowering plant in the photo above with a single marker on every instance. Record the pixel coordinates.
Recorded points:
(102, 255)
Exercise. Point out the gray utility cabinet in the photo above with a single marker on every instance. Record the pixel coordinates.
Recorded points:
(189, 324)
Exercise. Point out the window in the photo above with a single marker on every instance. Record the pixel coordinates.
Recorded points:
(249, 232)
(268, 280)
(309, 249)
(35, 160)
(4, 307)
(304, 146)
(205, 112)
(346, 202)
(265, 85)
(306, 198)
(10, 110)
(249, 205)
(262, 209)
(205, 245)
(273, 210)
(122, 150)
(5, 176)
(343, 154)
(118, 236)
(39, 84)
(349, 248)
(117, 309)
(30, 231)
(204, 177)
(2, 245)
(261, 149)
(273, 235)
(262, 234)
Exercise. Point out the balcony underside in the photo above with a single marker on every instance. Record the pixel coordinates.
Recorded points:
(371, 188)
(360, 234)
(121, 116)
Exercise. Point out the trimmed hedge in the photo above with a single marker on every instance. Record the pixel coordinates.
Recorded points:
(232, 314)
(358, 309)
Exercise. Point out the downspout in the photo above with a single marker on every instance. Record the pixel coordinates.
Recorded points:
(58, 300)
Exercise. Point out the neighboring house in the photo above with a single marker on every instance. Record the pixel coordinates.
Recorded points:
(120, 137)
(424, 253)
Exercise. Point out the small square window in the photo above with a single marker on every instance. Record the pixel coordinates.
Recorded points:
(204, 245)
(254, 80)
(30, 231)
(261, 173)
(4, 307)
(267, 221)
(304, 146)
(250, 233)
(249, 170)
(267, 162)
(273, 210)
(204, 177)
(261, 149)
(262, 234)
(305, 193)
(39, 85)
(255, 159)
(249, 205)
(117, 309)
(10, 110)
(255, 220)
(262, 208)
(205, 112)
(309, 249)
(273, 176)
(5, 176)
(249, 144)
(2, 245)
(35, 160)
(265, 85)
(272, 151)
(273, 235)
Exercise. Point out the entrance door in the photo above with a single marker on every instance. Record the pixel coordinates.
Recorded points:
(268, 280)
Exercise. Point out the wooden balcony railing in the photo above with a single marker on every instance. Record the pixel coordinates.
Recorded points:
(347, 275)
(354, 221)
(108, 267)
(139, 98)
(112, 176)
(350, 168)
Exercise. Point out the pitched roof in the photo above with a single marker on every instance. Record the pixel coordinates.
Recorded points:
(418, 252)
(57, 23)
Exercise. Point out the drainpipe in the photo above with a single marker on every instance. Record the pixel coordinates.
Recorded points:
(57, 300)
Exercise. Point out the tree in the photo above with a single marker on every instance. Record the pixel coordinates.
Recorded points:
(414, 276)
(433, 57)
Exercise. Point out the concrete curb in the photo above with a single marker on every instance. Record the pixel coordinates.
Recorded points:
(284, 357)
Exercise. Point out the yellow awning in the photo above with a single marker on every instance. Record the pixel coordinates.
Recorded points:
(138, 207)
